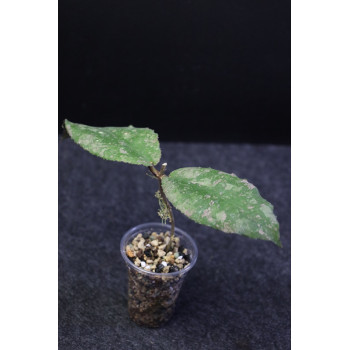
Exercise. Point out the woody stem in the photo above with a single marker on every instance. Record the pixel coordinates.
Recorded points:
(159, 175)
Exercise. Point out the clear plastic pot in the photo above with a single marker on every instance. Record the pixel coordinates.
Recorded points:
(152, 296)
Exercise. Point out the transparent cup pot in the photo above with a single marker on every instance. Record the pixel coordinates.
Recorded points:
(152, 296)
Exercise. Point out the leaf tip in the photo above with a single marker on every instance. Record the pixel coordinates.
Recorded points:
(278, 242)
(66, 129)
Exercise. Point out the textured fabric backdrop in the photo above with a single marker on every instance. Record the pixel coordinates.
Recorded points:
(236, 297)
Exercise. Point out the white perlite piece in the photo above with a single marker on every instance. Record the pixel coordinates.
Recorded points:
(154, 242)
(137, 262)
(161, 253)
(164, 263)
(143, 264)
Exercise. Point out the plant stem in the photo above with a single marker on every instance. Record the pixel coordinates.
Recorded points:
(159, 175)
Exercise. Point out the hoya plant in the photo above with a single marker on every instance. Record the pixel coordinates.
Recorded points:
(207, 196)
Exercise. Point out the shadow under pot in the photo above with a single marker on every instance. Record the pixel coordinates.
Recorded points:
(152, 295)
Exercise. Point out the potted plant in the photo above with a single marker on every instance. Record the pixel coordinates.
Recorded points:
(159, 256)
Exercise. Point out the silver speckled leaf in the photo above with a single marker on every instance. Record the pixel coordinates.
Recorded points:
(123, 144)
(222, 201)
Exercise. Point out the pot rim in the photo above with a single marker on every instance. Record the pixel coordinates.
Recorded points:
(167, 227)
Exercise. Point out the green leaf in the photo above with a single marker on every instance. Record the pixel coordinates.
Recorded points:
(222, 201)
(123, 144)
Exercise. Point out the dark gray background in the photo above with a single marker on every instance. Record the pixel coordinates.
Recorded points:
(236, 297)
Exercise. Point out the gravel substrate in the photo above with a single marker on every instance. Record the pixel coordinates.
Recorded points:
(158, 252)
(152, 297)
